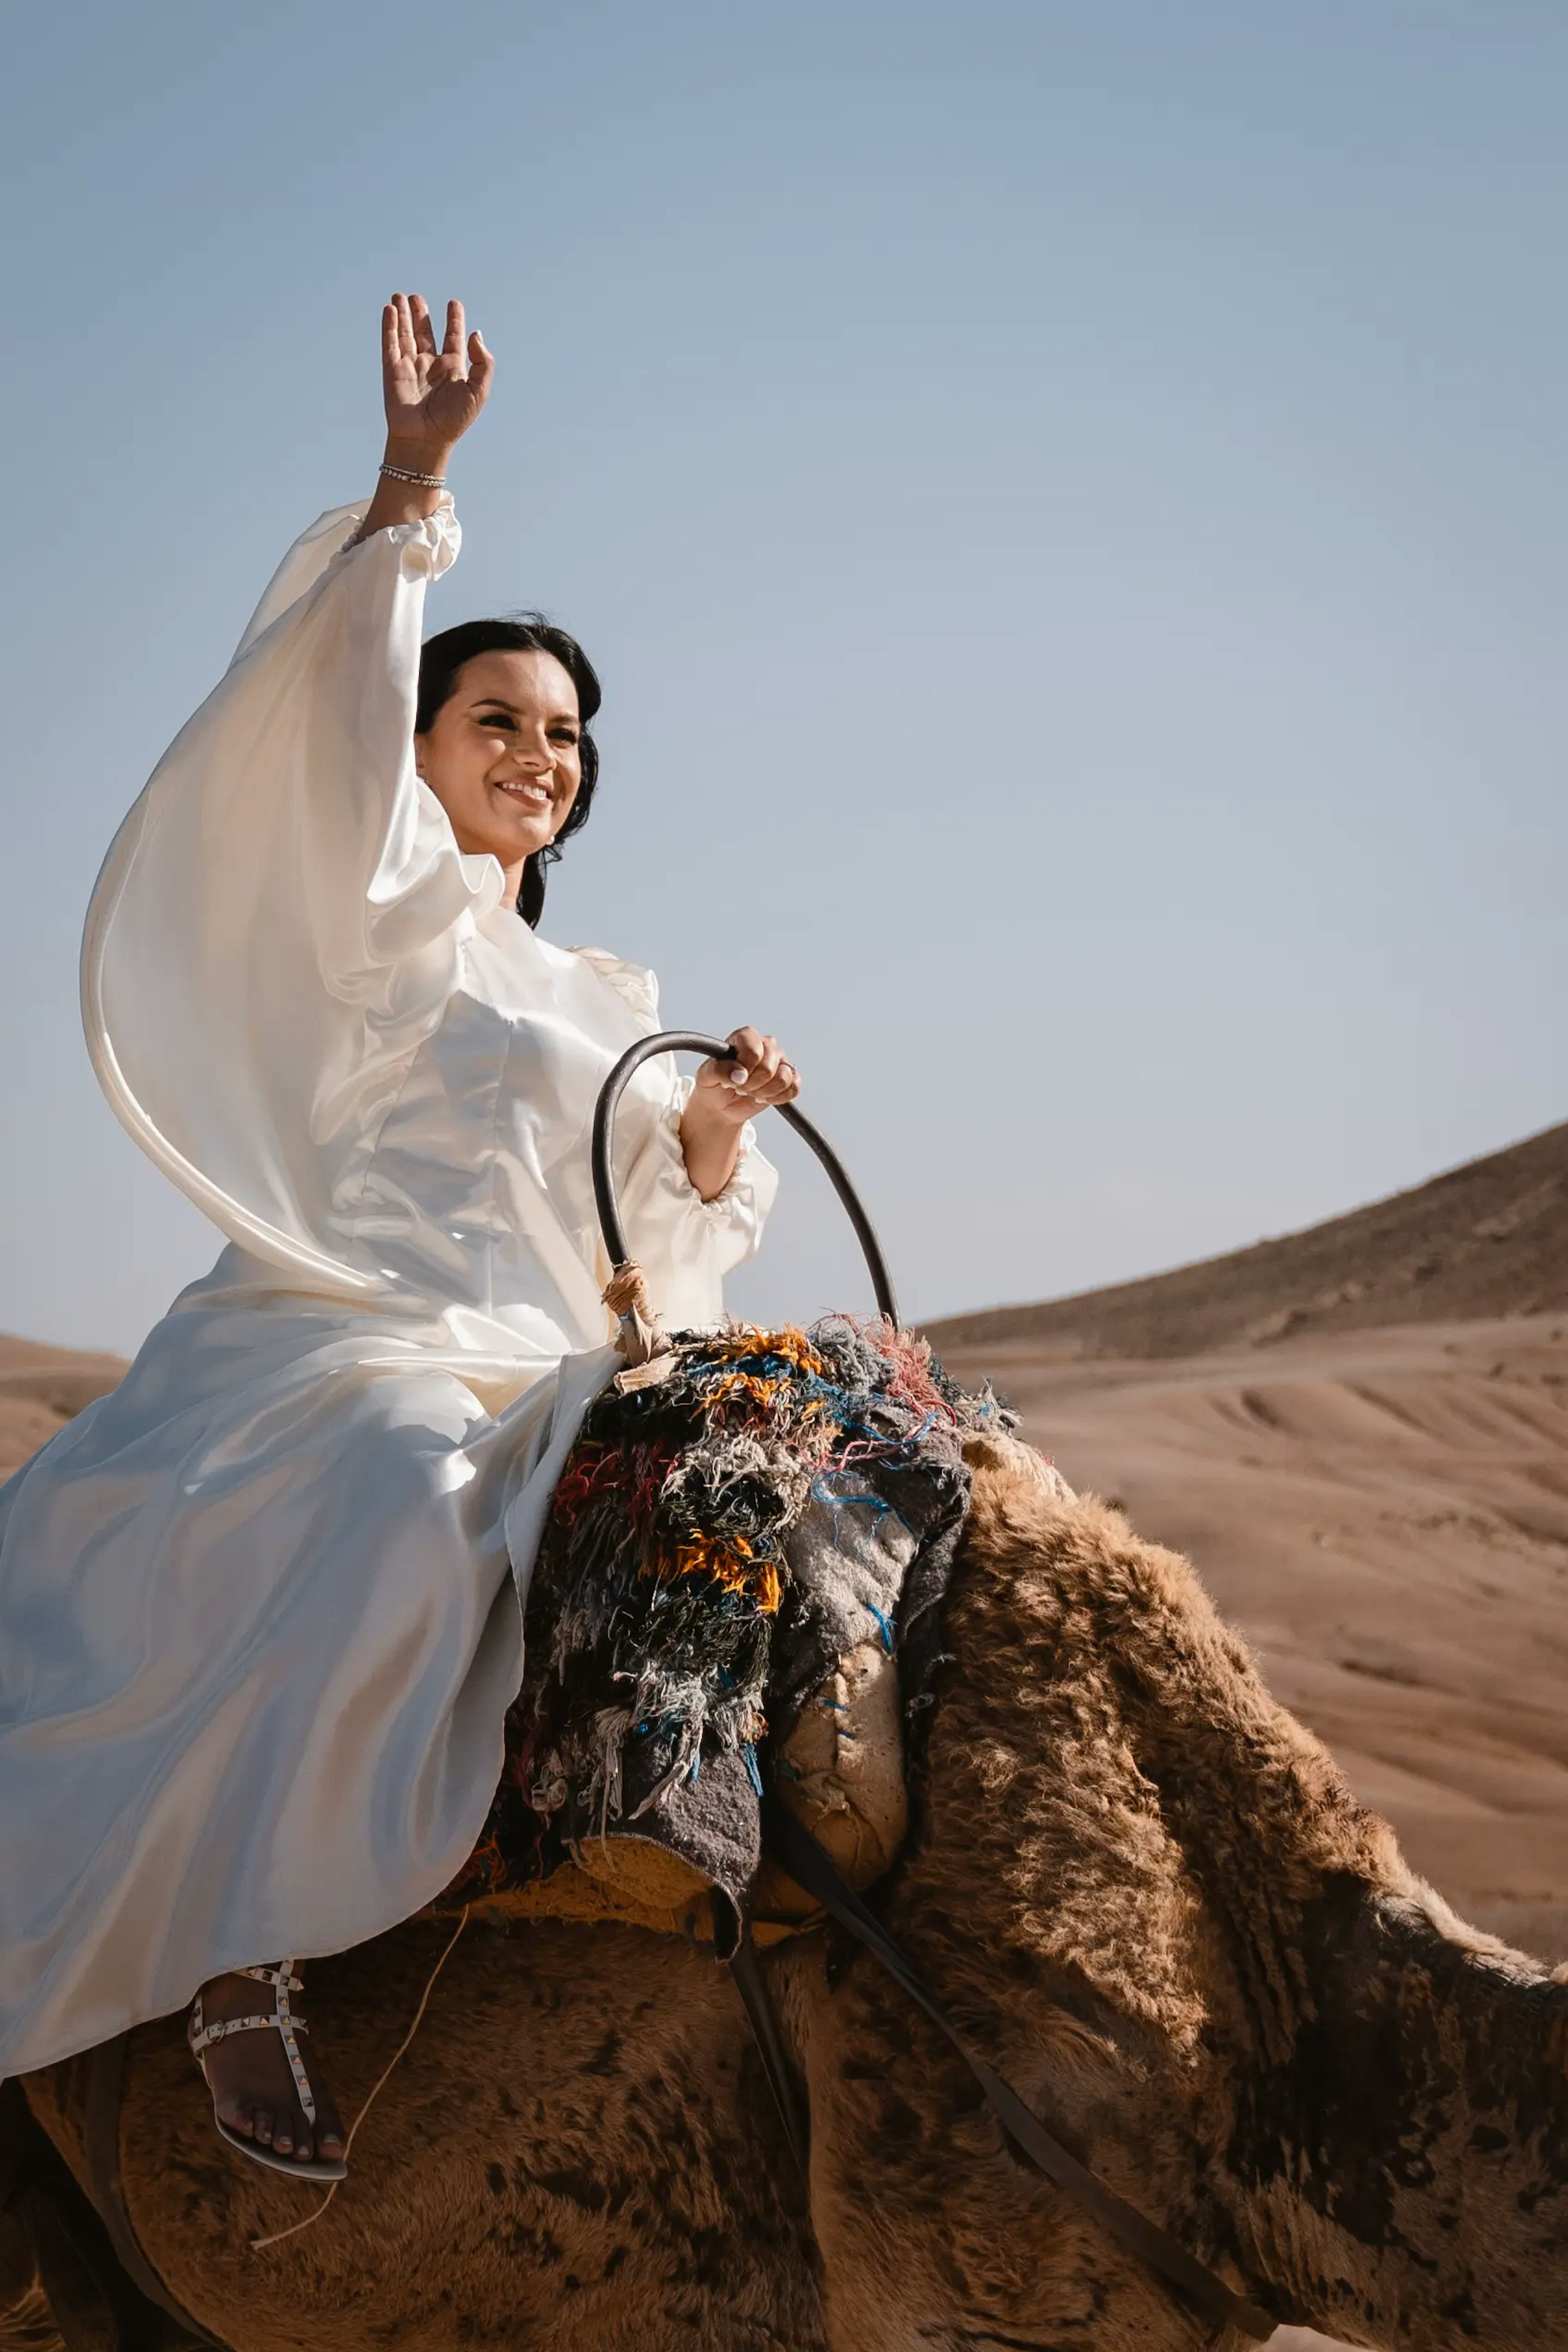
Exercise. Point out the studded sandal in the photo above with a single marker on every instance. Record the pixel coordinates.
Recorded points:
(284, 2023)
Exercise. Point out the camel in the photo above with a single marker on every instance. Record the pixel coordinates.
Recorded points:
(1142, 1889)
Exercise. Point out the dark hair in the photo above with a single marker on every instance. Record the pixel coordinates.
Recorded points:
(441, 658)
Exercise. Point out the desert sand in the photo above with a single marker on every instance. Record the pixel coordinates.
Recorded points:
(41, 1388)
(1360, 1433)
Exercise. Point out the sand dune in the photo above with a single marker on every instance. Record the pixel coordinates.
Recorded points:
(1489, 1238)
(1360, 1433)
(40, 1389)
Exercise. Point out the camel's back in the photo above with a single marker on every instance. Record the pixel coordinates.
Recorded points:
(576, 2152)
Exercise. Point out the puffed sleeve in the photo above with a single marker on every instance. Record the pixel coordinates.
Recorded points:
(279, 920)
(684, 1244)
(311, 738)
(699, 1241)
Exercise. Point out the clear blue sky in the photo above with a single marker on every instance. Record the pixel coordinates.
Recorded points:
(1068, 503)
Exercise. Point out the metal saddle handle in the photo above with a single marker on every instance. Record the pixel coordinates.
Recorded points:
(684, 1041)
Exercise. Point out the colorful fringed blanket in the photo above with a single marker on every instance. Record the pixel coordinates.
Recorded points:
(739, 1528)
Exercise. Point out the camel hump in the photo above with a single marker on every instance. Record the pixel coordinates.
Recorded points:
(998, 1455)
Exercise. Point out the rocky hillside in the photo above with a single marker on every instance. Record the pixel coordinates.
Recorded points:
(1488, 1239)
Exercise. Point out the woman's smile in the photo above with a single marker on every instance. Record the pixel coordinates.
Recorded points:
(507, 710)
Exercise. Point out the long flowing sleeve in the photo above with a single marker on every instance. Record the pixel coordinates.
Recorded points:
(278, 919)
(684, 1244)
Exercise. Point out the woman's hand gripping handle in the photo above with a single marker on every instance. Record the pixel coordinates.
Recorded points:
(753, 1077)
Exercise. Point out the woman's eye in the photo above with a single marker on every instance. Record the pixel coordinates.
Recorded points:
(563, 735)
(495, 722)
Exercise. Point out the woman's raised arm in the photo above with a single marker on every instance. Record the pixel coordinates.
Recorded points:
(432, 397)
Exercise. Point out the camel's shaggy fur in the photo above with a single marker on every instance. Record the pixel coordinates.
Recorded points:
(1136, 1793)
(1145, 1891)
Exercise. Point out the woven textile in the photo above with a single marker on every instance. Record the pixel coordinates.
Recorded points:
(722, 1535)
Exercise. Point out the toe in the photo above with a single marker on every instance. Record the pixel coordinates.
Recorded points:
(261, 2127)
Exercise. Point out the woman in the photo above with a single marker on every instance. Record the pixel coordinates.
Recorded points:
(260, 1609)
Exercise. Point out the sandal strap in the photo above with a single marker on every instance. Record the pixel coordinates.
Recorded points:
(282, 2021)
(204, 2036)
(279, 1976)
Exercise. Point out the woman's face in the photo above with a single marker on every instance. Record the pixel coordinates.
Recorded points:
(502, 755)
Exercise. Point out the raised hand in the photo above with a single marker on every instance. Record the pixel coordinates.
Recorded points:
(432, 395)
(432, 398)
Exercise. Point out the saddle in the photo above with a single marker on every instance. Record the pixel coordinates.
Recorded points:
(743, 1566)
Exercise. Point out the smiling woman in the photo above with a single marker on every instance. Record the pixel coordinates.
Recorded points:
(504, 709)
(260, 1608)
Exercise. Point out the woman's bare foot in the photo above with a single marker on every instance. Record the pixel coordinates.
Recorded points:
(252, 2085)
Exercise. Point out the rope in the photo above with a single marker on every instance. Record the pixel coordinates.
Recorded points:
(642, 1337)
(279, 2235)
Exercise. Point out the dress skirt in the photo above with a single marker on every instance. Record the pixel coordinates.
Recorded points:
(263, 1611)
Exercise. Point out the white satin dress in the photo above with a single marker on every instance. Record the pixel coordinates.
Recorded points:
(260, 1609)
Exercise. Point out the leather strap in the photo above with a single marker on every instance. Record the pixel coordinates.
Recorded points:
(764, 2025)
(812, 1870)
(105, 2075)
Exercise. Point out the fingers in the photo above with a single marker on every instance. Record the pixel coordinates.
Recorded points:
(749, 1048)
(423, 332)
(760, 1075)
(407, 331)
(783, 1087)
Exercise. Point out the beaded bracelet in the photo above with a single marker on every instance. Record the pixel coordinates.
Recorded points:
(420, 481)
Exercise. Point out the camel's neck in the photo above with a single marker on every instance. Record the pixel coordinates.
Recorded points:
(1406, 2163)
(1129, 1848)
(1377, 2100)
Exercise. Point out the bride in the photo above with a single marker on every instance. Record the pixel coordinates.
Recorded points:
(260, 1609)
